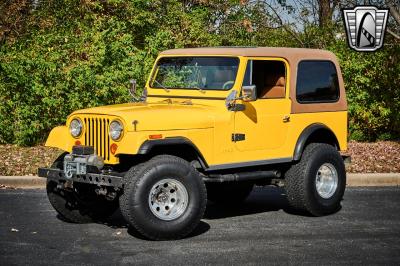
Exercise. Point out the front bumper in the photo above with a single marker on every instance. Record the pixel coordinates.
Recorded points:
(108, 180)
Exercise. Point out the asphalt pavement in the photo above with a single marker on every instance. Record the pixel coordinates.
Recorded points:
(261, 231)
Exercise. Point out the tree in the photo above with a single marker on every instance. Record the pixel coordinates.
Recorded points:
(66, 54)
(395, 12)
(325, 11)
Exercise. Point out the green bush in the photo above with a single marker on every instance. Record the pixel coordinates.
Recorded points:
(371, 81)
(70, 55)
(68, 65)
(45, 79)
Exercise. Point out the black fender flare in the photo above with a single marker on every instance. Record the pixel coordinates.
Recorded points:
(148, 145)
(304, 136)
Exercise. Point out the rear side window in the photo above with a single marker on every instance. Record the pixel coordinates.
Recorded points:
(317, 82)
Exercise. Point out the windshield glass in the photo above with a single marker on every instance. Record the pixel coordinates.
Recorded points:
(205, 73)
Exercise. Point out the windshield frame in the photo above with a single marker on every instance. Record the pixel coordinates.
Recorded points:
(155, 70)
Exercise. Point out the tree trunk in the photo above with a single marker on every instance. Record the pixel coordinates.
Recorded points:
(325, 11)
(394, 11)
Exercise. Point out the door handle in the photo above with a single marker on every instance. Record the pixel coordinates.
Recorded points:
(286, 119)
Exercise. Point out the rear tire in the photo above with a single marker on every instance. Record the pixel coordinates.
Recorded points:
(316, 183)
(164, 198)
(228, 193)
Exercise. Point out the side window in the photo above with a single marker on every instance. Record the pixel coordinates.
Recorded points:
(317, 82)
(269, 77)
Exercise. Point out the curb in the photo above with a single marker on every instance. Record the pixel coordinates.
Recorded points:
(353, 180)
(23, 181)
(373, 180)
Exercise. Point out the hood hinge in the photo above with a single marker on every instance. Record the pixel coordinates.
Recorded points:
(238, 137)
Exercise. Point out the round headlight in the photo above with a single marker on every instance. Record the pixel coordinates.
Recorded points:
(116, 130)
(75, 127)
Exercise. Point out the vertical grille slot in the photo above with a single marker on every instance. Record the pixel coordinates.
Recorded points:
(108, 140)
(85, 123)
(104, 139)
(91, 132)
(96, 135)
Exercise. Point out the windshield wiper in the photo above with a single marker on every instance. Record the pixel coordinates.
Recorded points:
(168, 90)
(159, 84)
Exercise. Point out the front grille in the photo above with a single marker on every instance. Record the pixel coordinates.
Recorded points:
(96, 135)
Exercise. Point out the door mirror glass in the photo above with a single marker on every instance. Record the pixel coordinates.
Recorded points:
(249, 93)
(132, 89)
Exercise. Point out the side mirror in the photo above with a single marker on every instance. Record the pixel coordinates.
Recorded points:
(249, 93)
(132, 92)
(230, 100)
(132, 89)
(144, 95)
(231, 104)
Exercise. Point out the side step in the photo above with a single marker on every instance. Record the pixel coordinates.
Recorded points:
(243, 176)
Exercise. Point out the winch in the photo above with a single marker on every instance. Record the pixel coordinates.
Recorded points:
(81, 158)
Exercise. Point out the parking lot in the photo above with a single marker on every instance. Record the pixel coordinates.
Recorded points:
(261, 231)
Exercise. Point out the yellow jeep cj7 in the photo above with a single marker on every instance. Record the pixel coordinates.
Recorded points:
(211, 124)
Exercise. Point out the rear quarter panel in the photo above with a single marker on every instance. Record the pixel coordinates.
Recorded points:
(335, 121)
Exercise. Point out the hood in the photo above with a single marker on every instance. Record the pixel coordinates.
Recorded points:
(158, 116)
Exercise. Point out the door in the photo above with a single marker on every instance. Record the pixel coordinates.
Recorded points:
(264, 122)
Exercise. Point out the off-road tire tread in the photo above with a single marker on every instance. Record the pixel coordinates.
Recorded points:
(298, 194)
(82, 214)
(57, 199)
(131, 186)
(70, 216)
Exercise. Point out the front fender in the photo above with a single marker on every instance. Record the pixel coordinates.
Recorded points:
(60, 137)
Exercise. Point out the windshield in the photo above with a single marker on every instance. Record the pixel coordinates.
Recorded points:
(205, 73)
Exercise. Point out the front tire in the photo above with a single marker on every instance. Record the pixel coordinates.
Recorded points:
(316, 183)
(164, 198)
(79, 204)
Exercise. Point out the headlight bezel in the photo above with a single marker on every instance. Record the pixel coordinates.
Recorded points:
(80, 127)
(121, 130)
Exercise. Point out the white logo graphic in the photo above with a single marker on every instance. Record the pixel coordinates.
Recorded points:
(365, 27)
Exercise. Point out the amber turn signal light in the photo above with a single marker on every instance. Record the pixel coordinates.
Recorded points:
(157, 136)
(113, 148)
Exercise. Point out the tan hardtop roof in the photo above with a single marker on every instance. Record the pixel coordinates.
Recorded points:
(289, 53)
(293, 56)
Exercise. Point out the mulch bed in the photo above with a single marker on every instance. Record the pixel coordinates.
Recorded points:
(378, 157)
(20, 161)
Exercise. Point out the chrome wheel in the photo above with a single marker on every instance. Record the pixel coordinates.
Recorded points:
(168, 199)
(326, 180)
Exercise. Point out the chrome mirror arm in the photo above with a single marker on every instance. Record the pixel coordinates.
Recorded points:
(132, 92)
(231, 104)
